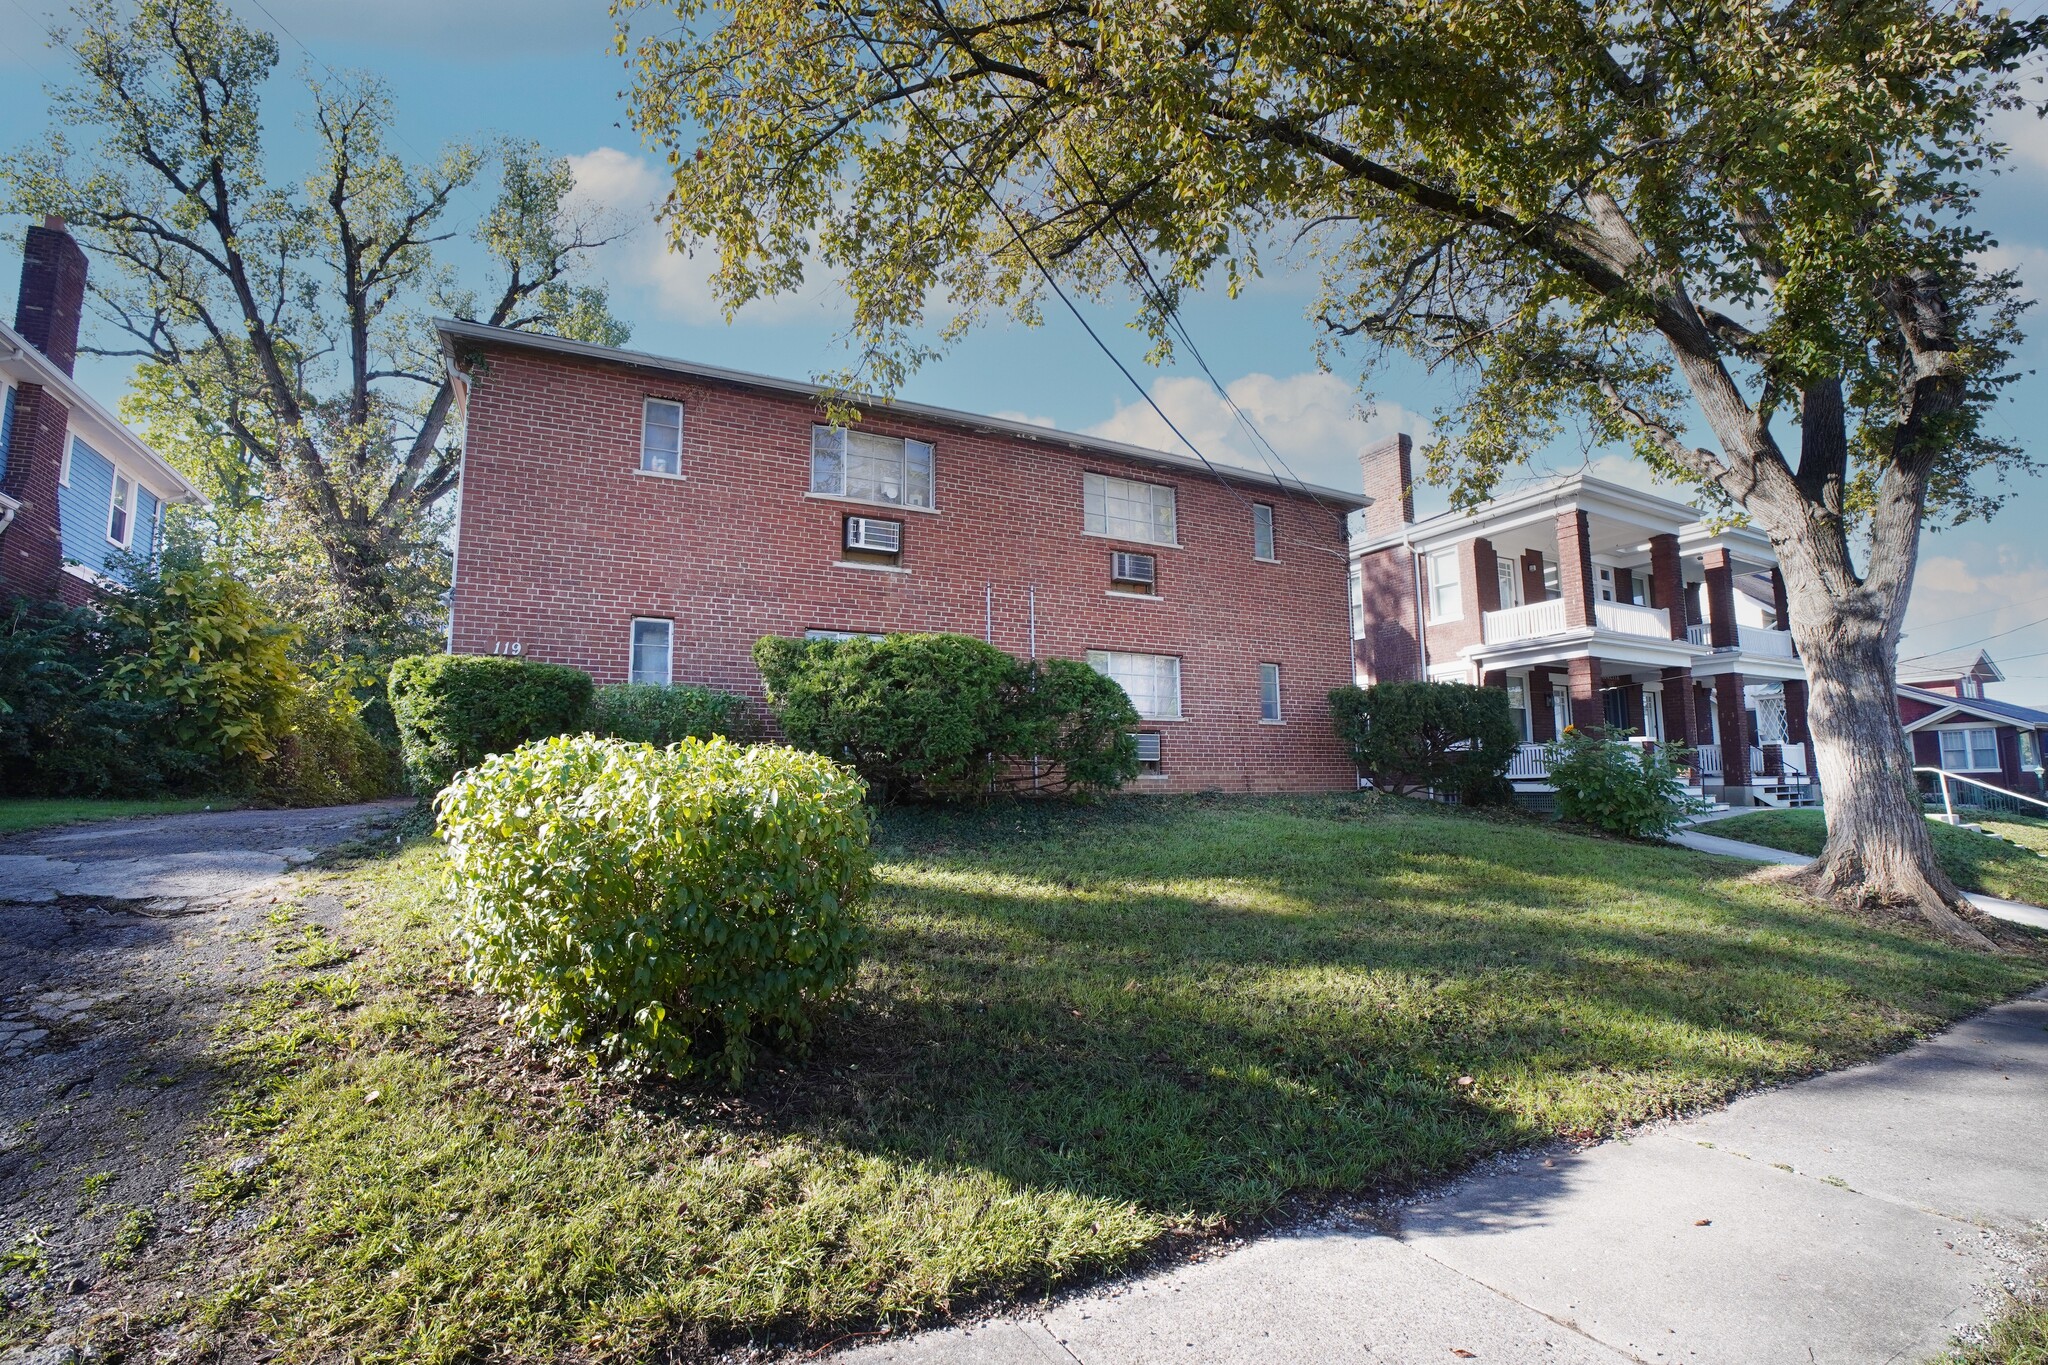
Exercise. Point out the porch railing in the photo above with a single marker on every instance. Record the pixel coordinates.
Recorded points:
(1524, 623)
(1625, 618)
(1707, 758)
(1531, 763)
(1771, 644)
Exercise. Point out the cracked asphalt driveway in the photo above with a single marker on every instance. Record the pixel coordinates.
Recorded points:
(121, 944)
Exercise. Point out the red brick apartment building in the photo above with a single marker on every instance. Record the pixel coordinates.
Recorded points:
(647, 518)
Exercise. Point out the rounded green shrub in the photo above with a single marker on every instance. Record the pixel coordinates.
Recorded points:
(652, 714)
(327, 756)
(1068, 729)
(1451, 738)
(1634, 790)
(455, 710)
(662, 911)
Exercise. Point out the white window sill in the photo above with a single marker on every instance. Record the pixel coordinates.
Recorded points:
(1128, 540)
(1446, 620)
(1135, 596)
(1959, 772)
(1264, 559)
(662, 474)
(1161, 720)
(1272, 722)
(90, 575)
(872, 502)
(870, 568)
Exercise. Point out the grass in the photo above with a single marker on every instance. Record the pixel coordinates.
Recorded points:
(2012, 868)
(1081, 1037)
(2017, 1336)
(37, 812)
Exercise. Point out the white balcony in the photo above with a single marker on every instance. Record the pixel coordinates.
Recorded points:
(1524, 623)
(1624, 618)
(1770, 644)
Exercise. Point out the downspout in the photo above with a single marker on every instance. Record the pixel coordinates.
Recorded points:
(1421, 630)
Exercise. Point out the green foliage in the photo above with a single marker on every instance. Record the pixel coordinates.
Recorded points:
(1634, 790)
(197, 637)
(661, 910)
(454, 710)
(651, 714)
(949, 717)
(1418, 736)
(328, 755)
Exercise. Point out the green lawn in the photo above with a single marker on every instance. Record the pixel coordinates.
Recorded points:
(1081, 1035)
(2012, 868)
(36, 812)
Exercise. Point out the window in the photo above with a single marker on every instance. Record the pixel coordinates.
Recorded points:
(1969, 687)
(1509, 575)
(1151, 680)
(1607, 585)
(652, 654)
(1969, 751)
(1125, 510)
(1550, 580)
(1442, 571)
(1269, 693)
(121, 510)
(870, 468)
(840, 636)
(2030, 750)
(661, 437)
(1518, 706)
(1262, 531)
(1357, 587)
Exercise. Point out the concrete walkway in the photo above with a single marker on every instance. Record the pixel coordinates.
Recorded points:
(2018, 912)
(1860, 1217)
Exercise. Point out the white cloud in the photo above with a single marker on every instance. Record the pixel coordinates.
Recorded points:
(1957, 603)
(1312, 419)
(679, 285)
(2029, 260)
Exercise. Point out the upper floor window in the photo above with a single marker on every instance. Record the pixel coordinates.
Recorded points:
(653, 651)
(121, 510)
(1262, 531)
(1357, 589)
(1151, 680)
(1269, 693)
(870, 468)
(1969, 687)
(661, 437)
(1441, 568)
(1127, 510)
(1969, 751)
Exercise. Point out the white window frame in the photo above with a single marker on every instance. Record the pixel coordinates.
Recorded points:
(1439, 582)
(647, 426)
(1355, 584)
(1967, 734)
(1269, 691)
(633, 647)
(833, 449)
(1158, 501)
(1508, 573)
(1518, 703)
(1969, 688)
(1262, 530)
(117, 505)
(1160, 667)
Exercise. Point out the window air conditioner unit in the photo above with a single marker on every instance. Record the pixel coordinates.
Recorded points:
(875, 534)
(1130, 568)
(1148, 747)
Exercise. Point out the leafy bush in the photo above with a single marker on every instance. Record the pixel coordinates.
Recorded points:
(1636, 790)
(328, 755)
(656, 715)
(1418, 736)
(949, 717)
(455, 710)
(661, 910)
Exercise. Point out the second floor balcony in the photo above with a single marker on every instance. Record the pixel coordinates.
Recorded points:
(1770, 644)
(1539, 619)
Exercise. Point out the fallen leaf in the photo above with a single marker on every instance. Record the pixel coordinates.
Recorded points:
(1702, 1222)
(1463, 1354)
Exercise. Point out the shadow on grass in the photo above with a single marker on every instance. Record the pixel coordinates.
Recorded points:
(1204, 1007)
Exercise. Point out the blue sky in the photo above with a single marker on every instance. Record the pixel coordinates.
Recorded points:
(543, 69)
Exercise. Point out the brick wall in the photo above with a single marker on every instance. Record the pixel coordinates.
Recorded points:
(32, 547)
(1389, 650)
(561, 543)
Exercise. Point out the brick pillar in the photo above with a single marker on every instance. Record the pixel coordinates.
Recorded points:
(1721, 596)
(1532, 577)
(1483, 569)
(1779, 602)
(1667, 579)
(1680, 711)
(1693, 615)
(52, 297)
(1575, 571)
(1703, 712)
(1734, 718)
(32, 546)
(1542, 720)
(1390, 483)
(1582, 683)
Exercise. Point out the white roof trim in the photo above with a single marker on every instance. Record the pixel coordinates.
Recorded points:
(452, 329)
(1950, 706)
(102, 430)
(1654, 514)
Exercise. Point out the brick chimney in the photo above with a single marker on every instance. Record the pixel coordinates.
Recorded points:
(52, 292)
(46, 315)
(1390, 483)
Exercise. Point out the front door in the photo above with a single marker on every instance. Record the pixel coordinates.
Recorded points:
(1510, 583)
(1615, 707)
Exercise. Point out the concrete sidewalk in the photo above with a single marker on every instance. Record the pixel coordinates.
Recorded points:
(2017, 912)
(1862, 1216)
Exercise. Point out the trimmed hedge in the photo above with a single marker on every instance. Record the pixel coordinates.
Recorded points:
(1634, 790)
(659, 910)
(651, 714)
(1418, 736)
(455, 710)
(328, 757)
(949, 717)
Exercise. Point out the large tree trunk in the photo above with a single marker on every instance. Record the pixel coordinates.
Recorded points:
(1878, 844)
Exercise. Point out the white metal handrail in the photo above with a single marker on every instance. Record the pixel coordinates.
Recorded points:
(1625, 618)
(1523, 623)
(1948, 804)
